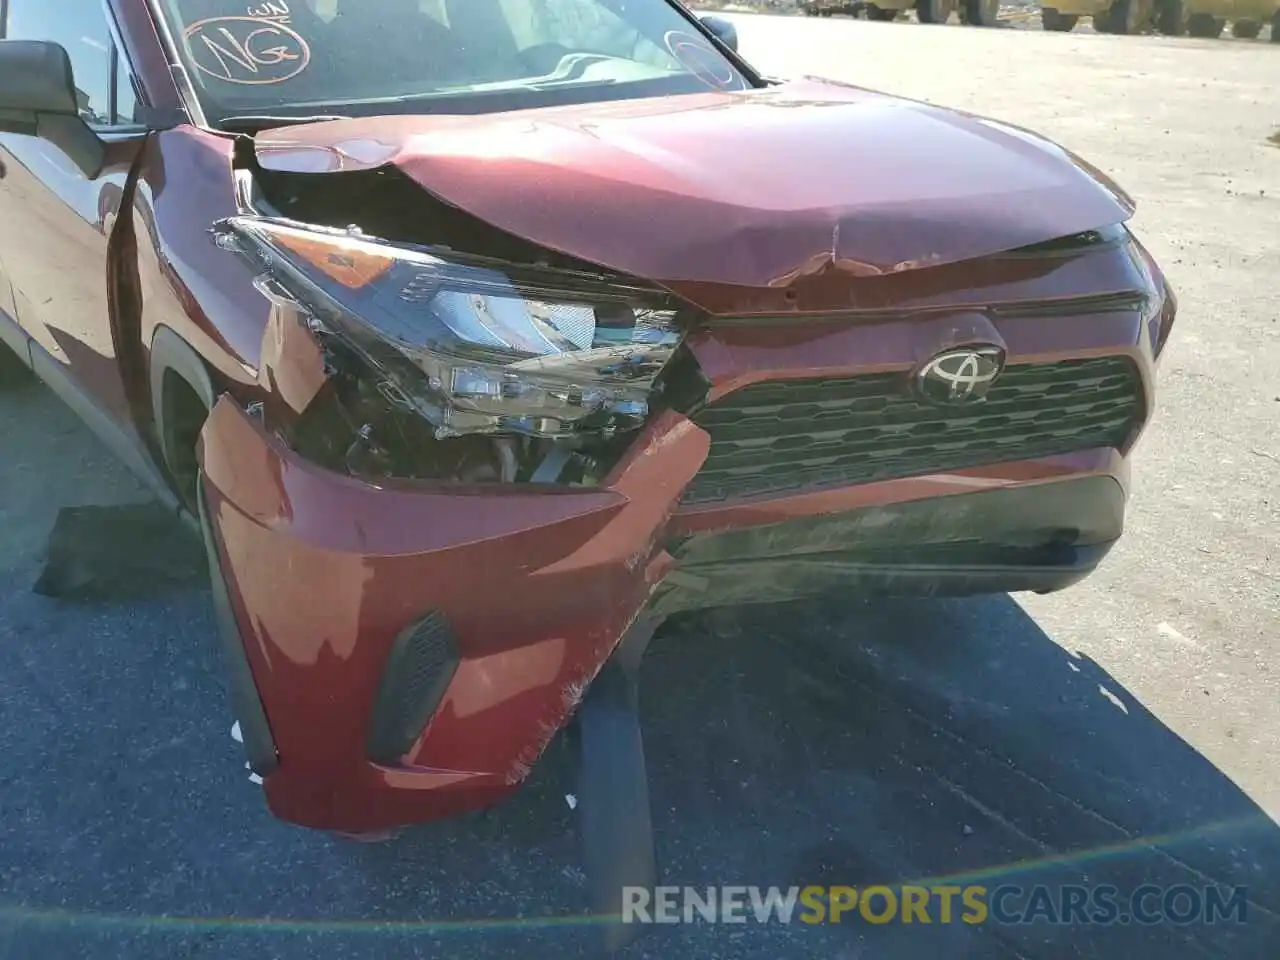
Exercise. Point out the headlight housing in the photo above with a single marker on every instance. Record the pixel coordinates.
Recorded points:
(1160, 307)
(472, 345)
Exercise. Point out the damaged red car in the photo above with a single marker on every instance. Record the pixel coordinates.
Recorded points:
(481, 336)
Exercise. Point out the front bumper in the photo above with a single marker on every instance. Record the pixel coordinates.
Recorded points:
(507, 600)
(323, 574)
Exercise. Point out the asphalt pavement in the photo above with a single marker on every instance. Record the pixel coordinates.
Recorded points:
(1123, 732)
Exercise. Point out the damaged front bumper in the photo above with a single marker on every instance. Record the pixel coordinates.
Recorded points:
(524, 592)
(405, 652)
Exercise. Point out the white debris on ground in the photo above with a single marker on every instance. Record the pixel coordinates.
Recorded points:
(238, 736)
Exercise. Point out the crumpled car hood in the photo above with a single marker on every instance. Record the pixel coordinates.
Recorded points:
(756, 188)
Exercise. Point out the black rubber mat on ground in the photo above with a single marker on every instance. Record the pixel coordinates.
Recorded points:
(120, 552)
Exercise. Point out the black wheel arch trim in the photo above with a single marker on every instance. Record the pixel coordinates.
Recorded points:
(170, 353)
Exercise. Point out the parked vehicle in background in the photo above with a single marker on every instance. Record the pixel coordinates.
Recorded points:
(1198, 18)
(829, 8)
(1109, 16)
(1208, 18)
(978, 13)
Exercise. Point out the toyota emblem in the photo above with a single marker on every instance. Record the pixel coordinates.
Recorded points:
(960, 376)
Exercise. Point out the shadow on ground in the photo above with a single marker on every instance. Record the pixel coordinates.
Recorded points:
(834, 743)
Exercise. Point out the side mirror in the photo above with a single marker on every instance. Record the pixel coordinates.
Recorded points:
(38, 98)
(725, 31)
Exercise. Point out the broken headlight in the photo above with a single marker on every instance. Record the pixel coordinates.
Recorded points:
(472, 345)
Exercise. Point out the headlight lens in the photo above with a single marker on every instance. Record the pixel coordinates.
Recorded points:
(472, 345)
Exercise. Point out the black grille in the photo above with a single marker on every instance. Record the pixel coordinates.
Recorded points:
(420, 667)
(788, 435)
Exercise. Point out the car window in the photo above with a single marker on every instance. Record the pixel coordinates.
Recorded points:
(126, 105)
(80, 26)
(378, 56)
(582, 25)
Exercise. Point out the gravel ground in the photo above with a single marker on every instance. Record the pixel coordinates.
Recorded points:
(1121, 732)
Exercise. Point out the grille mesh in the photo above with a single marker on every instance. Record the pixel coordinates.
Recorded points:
(419, 668)
(781, 436)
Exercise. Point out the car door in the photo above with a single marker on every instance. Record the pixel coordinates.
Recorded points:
(56, 222)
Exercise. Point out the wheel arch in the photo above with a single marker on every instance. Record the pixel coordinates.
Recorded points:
(171, 353)
(173, 357)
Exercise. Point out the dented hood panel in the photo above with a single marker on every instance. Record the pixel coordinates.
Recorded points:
(756, 188)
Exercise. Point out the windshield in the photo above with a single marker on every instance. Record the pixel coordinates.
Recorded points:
(365, 57)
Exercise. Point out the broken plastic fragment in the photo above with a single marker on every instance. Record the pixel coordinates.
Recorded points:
(571, 800)
(236, 735)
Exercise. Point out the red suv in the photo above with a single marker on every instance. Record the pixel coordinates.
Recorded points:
(483, 335)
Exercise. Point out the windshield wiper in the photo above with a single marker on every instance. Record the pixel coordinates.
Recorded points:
(253, 123)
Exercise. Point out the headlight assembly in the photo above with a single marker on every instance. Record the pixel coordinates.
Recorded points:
(473, 346)
(1160, 304)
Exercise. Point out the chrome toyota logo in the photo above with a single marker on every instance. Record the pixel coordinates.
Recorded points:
(960, 376)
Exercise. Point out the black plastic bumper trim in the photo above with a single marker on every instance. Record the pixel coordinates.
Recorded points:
(997, 524)
(1034, 537)
(246, 705)
(782, 580)
(419, 669)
